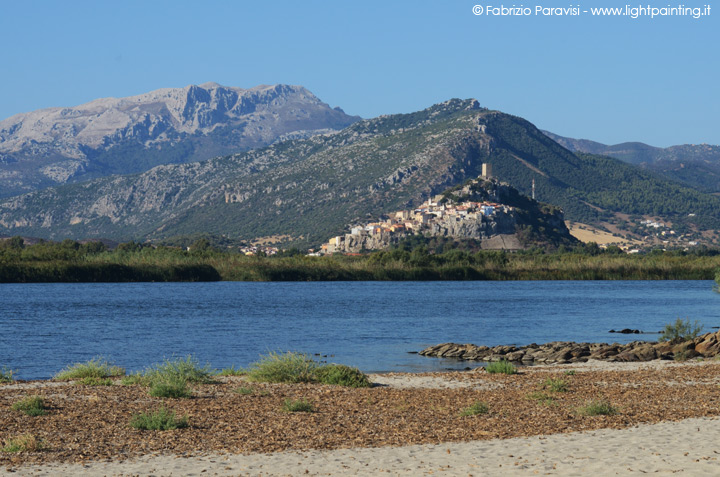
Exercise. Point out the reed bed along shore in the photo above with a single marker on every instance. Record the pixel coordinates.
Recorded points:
(73, 262)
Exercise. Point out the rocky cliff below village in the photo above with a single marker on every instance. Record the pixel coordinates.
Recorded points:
(484, 210)
(707, 345)
(171, 125)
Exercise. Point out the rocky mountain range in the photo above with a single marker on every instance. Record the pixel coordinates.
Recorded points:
(304, 191)
(173, 125)
(697, 165)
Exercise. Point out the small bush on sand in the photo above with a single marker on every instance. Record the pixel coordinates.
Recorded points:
(293, 367)
(284, 368)
(542, 398)
(555, 385)
(681, 330)
(301, 405)
(32, 406)
(503, 367)
(95, 368)
(170, 387)
(161, 420)
(23, 443)
(6, 375)
(475, 409)
(342, 375)
(598, 407)
(232, 371)
(135, 379)
(188, 370)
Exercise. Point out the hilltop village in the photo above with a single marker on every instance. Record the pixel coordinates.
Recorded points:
(472, 211)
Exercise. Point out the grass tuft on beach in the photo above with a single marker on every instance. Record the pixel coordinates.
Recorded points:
(172, 378)
(170, 387)
(31, 405)
(501, 367)
(475, 409)
(161, 419)
(292, 367)
(598, 407)
(555, 385)
(186, 369)
(6, 375)
(288, 367)
(342, 375)
(232, 371)
(299, 405)
(97, 367)
(23, 443)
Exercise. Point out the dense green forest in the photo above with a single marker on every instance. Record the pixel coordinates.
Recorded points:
(70, 261)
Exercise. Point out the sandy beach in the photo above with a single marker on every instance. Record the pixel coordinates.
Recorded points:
(689, 447)
(667, 423)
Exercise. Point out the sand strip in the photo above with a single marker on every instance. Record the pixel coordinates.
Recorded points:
(689, 447)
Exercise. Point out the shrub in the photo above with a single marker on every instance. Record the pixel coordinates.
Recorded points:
(570, 372)
(92, 381)
(475, 409)
(6, 375)
(135, 378)
(32, 406)
(598, 407)
(301, 405)
(170, 387)
(681, 356)
(23, 443)
(232, 371)
(681, 330)
(160, 420)
(187, 370)
(555, 385)
(97, 367)
(503, 366)
(542, 398)
(284, 368)
(342, 375)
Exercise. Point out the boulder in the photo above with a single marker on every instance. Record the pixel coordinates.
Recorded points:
(645, 352)
(605, 352)
(571, 352)
(709, 346)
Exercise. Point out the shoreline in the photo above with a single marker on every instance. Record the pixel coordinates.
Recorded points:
(406, 424)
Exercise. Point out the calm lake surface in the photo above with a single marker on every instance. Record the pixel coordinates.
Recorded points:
(371, 325)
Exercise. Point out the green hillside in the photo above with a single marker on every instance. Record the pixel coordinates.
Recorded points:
(305, 191)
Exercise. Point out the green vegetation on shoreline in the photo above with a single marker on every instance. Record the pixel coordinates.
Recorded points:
(70, 261)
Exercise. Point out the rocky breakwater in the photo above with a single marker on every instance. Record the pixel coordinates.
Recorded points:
(707, 345)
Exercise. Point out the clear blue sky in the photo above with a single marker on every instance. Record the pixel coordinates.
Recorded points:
(607, 79)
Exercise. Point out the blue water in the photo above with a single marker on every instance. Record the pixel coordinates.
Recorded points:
(372, 325)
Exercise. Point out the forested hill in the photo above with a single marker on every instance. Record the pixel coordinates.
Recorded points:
(696, 165)
(304, 191)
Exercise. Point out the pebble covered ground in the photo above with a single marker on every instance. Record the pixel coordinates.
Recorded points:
(91, 423)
